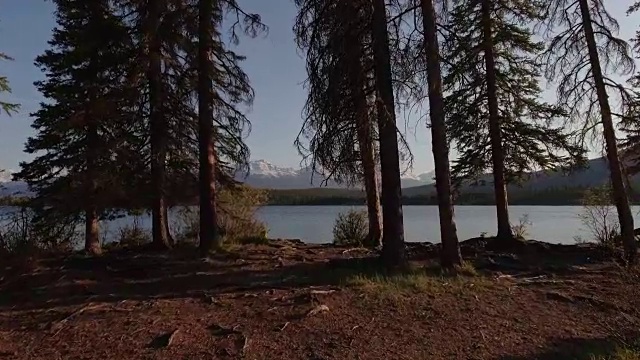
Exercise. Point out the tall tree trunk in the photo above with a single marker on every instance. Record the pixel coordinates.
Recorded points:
(393, 248)
(367, 153)
(158, 129)
(368, 158)
(497, 153)
(450, 248)
(209, 238)
(620, 196)
(358, 82)
(92, 240)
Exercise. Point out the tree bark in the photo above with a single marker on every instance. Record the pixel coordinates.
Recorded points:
(393, 247)
(92, 239)
(450, 255)
(367, 153)
(358, 82)
(209, 237)
(158, 129)
(497, 153)
(620, 197)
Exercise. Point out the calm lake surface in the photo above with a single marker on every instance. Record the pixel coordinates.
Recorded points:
(556, 224)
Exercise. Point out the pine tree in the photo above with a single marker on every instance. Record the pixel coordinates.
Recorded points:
(393, 248)
(222, 86)
(158, 122)
(208, 157)
(630, 121)
(7, 107)
(450, 247)
(494, 114)
(582, 55)
(339, 111)
(74, 142)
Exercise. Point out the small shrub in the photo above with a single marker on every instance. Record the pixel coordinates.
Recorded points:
(599, 216)
(237, 207)
(467, 269)
(22, 232)
(521, 229)
(351, 228)
(133, 235)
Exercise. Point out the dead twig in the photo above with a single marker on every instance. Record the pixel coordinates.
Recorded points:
(58, 326)
(321, 292)
(317, 310)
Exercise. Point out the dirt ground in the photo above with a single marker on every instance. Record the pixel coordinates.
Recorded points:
(288, 300)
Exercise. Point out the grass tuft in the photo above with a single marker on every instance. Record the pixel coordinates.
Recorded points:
(620, 353)
(417, 280)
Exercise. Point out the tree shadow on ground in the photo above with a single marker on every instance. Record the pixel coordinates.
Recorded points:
(618, 348)
(135, 275)
(121, 276)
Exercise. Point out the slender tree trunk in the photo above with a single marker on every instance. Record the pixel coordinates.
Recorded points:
(450, 256)
(158, 129)
(92, 239)
(367, 154)
(209, 238)
(393, 248)
(358, 82)
(497, 153)
(620, 196)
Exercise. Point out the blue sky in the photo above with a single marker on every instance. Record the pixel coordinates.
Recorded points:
(273, 63)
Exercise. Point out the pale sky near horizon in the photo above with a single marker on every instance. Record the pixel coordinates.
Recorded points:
(274, 65)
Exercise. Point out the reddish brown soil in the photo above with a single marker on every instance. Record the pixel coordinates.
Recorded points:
(254, 303)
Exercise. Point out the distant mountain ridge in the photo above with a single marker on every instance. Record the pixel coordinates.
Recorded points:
(266, 175)
(263, 174)
(594, 174)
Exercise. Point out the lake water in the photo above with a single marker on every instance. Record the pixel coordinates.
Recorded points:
(556, 224)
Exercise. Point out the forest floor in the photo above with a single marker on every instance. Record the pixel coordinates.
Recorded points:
(288, 300)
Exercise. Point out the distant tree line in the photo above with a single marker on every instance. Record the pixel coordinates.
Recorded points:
(551, 196)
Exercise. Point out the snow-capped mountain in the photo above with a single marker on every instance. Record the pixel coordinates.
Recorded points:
(12, 188)
(263, 174)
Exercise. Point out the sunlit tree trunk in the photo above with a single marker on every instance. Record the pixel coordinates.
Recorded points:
(497, 152)
(209, 238)
(620, 197)
(393, 247)
(450, 248)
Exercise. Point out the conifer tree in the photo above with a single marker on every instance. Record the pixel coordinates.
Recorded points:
(448, 234)
(7, 107)
(393, 247)
(494, 113)
(222, 86)
(339, 111)
(73, 144)
(583, 52)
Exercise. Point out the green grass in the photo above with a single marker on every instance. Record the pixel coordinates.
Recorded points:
(432, 280)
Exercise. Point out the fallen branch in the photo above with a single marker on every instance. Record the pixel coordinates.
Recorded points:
(60, 324)
(317, 310)
(321, 292)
